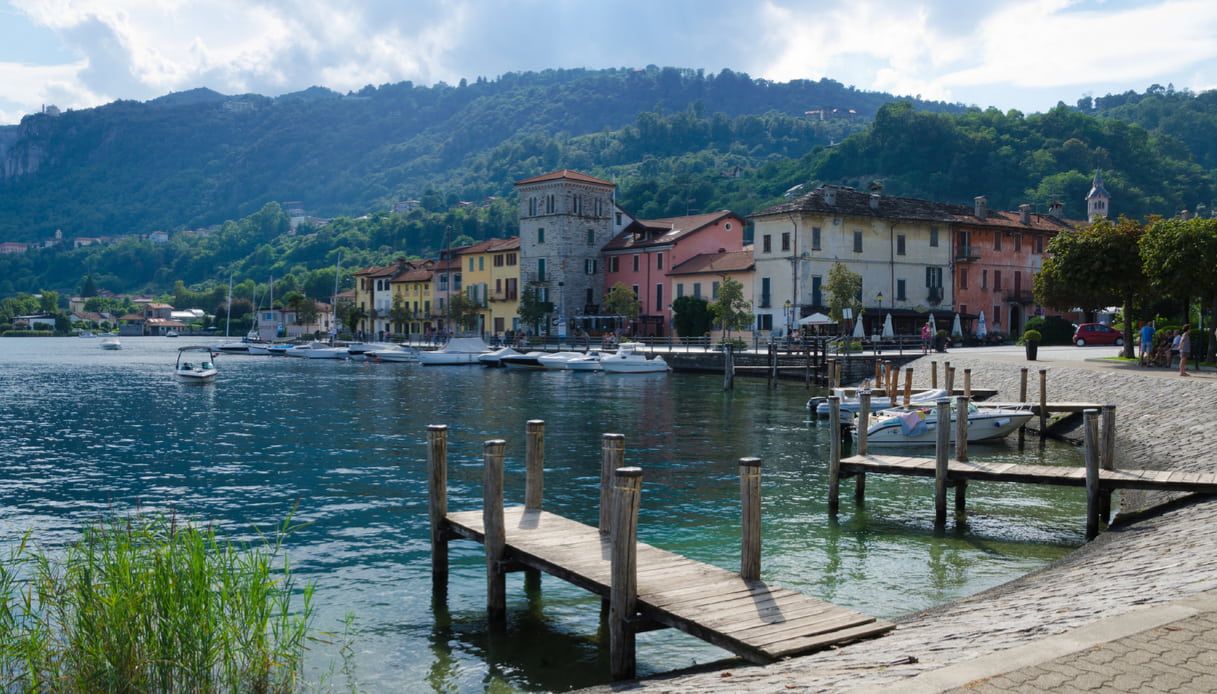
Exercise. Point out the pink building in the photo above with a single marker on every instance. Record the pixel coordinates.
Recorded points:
(643, 254)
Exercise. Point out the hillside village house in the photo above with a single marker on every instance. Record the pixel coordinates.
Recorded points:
(447, 277)
(915, 257)
(374, 295)
(415, 290)
(703, 274)
(490, 273)
(642, 255)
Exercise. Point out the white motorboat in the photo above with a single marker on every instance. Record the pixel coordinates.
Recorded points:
(494, 358)
(201, 371)
(919, 425)
(851, 404)
(360, 349)
(628, 359)
(395, 354)
(457, 351)
(317, 350)
(111, 343)
(528, 360)
(557, 361)
(587, 362)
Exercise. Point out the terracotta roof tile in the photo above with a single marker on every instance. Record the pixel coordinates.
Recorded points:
(565, 173)
(716, 263)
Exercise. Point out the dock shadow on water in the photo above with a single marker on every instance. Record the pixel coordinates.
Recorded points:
(347, 441)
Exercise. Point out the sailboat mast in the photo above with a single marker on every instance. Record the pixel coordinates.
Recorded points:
(228, 317)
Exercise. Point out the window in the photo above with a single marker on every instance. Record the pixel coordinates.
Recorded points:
(577, 204)
(618, 215)
(549, 203)
(635, 288)
(766, 244)
(984, 279)
(899, 244)
(996, 319)
(900, 290)
(635, 263)
(997, 240)
(589, 266)
(532, 207)
(997, 280)
(963, 308)
(540, 269)
(511, 259)
(541, 235)
(963, 278)
(764, 321)
(786, 241)
(1018, 281)
(498, 260)
(934, 237)
(714, 291)
(857, 240)
(765, 295)
(471, 265)
(817, 296)
(481, 263)
(658, 298)
(591, 237)
(680, 289)
(613, 263)
(659, 261)
(599, 210)
(588, 298)
(1039, 243)
(815, 238)
(1018, 243)
(697, 290)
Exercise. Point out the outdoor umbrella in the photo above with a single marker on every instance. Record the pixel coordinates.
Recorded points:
(933, 324)
(859, 332)
(956, 330)
(981, 328)
(887, 326)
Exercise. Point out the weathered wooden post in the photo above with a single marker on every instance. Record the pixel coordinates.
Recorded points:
(947, 375)
(623, 593)
(773, 365)
(942, 451)
(934, 375)
(1043, 404)
(1107, 457)
(961, 445)
(1022, 397)
(967, 382)
(878, 374)
(1091, 445)
(750, 518)
(950, 380)
(496, 532)
(908, 386)
(437, 484)
(834, 453)
(863, 426)
(612, 456)
(534, 464)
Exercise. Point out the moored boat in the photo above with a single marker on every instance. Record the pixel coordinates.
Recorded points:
(528, 360)
(588, 362)
(494, 358)
(395, 354)
(629, 359)
(557, 361)
(457, 351)
(819, 404)
(918, 425)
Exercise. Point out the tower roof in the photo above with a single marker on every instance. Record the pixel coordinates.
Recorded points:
(565, 173)
(1096, 189)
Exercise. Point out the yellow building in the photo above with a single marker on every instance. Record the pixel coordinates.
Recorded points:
(413, 290)
(490, 274)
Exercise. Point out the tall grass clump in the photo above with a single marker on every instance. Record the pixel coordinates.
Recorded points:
(148, 604)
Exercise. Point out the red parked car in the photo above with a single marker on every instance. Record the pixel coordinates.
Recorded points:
(1097, 334)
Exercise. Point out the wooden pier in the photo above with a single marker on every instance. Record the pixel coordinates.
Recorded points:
(1098, 476)
(644, 587)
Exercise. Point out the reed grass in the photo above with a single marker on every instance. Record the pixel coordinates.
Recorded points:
(148, 604)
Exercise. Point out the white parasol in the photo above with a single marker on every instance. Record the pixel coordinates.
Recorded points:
(887, 326)
(981, 328)
(933, 324)
(859, 331)
(955, 329)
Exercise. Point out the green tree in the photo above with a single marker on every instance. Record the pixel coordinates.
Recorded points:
(1096, 266)
(844, 292)
(400, 313)
(48, 301)
(732, 311)
(463, 310)
(691, 316)
(1180, 259)
(622, 301)
(88, 288)
(532, 310)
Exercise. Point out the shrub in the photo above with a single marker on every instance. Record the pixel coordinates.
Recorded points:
(1032, 336)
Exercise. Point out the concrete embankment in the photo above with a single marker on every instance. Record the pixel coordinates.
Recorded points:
(1162, 548)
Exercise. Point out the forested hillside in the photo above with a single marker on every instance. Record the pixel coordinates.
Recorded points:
(675, 141)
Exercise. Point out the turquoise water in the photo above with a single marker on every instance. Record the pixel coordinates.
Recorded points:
(86, 430)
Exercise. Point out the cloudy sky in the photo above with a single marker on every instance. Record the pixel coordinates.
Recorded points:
(1020, 54)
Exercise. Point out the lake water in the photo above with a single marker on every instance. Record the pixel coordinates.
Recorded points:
(86, 430)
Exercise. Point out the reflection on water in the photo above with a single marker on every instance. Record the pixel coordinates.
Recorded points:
(86, 430)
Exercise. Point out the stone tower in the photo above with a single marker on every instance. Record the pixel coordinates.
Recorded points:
(565, 219)
(1097, 198)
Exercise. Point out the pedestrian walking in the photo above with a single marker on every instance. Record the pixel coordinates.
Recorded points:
(1185, 348)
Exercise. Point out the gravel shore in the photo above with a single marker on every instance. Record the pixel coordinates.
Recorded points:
(1161, 548)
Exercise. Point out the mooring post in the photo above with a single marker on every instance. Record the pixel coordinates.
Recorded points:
(1043, 404)
(534, 464)
(1022, 384)
(623, 593)
(967, 382)
(773, 365)
(496, 533)
(941, 453)
(750, 518)
(961, 444)
(934, 375)
(878, 374)
(1107, 457)
(834, 452)
(612, 456)
(908, 386)
(947, 377)
(437, 484)
(863, 426)
(728, 367)
(1091, 418)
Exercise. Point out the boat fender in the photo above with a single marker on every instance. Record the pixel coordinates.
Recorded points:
(1001, 422)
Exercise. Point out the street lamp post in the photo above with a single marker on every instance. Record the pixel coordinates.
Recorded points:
(789, 317)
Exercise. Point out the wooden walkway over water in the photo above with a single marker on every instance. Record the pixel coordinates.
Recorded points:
(644, 587)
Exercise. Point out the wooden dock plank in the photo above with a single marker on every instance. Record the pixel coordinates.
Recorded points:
(711, 603)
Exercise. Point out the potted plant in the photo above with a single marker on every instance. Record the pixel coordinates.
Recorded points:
(1031, 341)
(940, 341)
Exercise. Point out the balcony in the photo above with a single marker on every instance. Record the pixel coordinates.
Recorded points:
(534, 277)
(967, 254)
(1023, 296)
(765, 301)
(934, 295)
